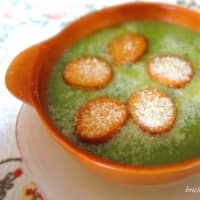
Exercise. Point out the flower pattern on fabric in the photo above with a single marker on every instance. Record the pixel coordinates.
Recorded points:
(30, 192)
(7, 182)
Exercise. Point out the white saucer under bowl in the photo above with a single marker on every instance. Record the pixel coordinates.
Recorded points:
(61, 177)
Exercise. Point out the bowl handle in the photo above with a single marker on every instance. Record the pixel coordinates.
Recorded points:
(20, 72)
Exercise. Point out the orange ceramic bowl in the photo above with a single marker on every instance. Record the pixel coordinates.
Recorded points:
(28, 75)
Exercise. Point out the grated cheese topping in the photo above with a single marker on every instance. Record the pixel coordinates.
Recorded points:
(93, 68)
(128, 45)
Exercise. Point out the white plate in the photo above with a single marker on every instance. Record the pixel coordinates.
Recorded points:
(61, 177)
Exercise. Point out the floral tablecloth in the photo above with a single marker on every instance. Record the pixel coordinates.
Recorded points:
(23, 23)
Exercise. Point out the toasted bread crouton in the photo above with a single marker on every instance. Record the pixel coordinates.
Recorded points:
(128, 48)
(88, 72)
(100, 119)
(173, 71)
(152, 110)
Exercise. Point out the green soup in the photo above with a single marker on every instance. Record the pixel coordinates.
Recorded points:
(131, 145)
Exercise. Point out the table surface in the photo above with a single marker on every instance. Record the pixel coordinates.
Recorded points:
(23, 23)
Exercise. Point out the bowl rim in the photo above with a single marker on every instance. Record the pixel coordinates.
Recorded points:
(99, 161)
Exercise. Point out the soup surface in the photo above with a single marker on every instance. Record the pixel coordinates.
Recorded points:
(131, 145)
